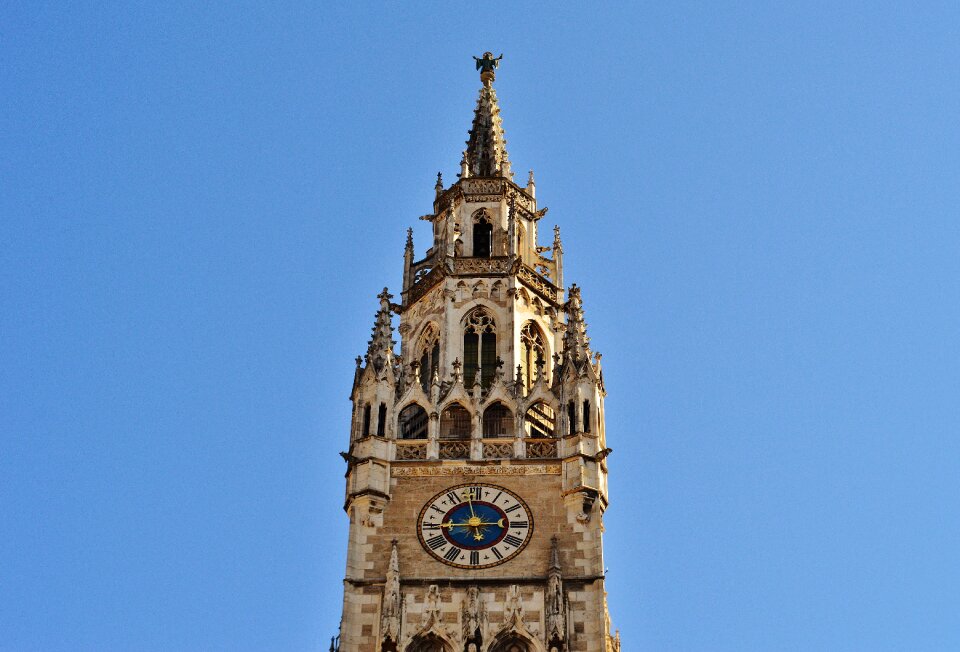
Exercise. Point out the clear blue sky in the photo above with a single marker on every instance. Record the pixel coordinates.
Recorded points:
(199, 205)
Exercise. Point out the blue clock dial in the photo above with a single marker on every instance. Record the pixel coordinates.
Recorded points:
(475, 526)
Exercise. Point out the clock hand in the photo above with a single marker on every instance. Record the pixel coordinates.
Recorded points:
(468, 494)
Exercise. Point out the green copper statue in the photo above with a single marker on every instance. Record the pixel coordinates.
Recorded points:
(486, 66)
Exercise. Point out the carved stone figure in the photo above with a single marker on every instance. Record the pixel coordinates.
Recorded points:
(554, 603)
(392, 602)
(513, 610)
(431, 612)
(473, 614)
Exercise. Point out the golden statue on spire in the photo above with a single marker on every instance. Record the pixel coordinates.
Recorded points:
(487, 65)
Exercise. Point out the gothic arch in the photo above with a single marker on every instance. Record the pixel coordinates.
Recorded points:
(515, 641)
(412, 422)
(498, 420)
(429, 643)
(479, 345)
(482, 234)
(427, 354)
(533, 350)
(456, 421)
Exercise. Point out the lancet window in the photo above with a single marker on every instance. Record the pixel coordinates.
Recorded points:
(479, 347)
(482, 234)
(381, 419)
(413, 422)
(497, 421)
(455, 422)
(366, 420)
(540, 420)
(532, 353)
(586, 416)
(429, 355)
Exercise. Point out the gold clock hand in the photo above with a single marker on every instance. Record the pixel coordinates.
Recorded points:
(468, 494)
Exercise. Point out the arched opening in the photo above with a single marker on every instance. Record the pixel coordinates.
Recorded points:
(482, 237)
(532, 353)
(381, 420)
(428, 643)
(455, 422)
(512, 644)
(572, 416)
(413, 422)
(429, 348)
(479, 348)
(586, 416)
(366, 421)
(540, 420)
(497, 421)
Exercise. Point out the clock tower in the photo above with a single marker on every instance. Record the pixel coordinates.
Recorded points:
(476, 472)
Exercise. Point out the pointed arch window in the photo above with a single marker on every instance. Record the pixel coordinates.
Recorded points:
(586, 416)
(479, 348)
(497, 421)
(366, 420)
(540, 420)
(572, 416)
(455, 422)
(413, 422)
(381, 419)
(429, 355)
(482, 236)
(532, 353)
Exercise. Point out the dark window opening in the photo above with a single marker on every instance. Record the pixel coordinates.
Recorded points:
(455, 422)
(413, 422)
(572, 416)
(366, 420)
(381, 420)
(482, 237)
(586, 416)
(540, 421)
(497, 421)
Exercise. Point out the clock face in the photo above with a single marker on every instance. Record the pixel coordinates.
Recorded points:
(475, 526)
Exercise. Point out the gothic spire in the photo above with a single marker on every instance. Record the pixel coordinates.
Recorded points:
(380, 348)
(576, 344)
(486, 154)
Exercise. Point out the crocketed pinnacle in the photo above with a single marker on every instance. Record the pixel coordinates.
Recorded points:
(576, 344)
(380, 348)
(486, 154)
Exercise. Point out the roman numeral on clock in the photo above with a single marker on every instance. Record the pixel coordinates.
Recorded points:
(496, 553)
(452, 554)
(433, 526)
(435, 542)
(454, 498)
(519, 524)
(512, 540)
(474, 557)
(512, 509)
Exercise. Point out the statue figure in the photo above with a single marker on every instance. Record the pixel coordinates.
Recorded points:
(392, 602)
(473, 613)
(487, 65)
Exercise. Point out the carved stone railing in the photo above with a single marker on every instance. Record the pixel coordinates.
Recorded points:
(427, 282)
(537, 283)
(411, 450)
(454, 450)
(498, 450)
(479, 266)
(541, 448)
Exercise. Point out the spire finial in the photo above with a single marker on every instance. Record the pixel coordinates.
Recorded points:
(439, 186)
(487, 65)
(409, 238)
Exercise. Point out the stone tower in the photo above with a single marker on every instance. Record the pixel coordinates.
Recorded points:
(476, 473)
